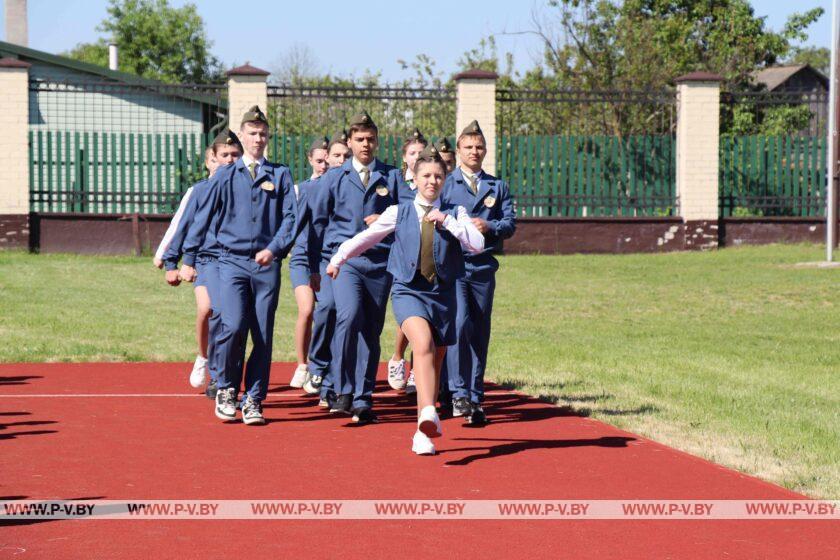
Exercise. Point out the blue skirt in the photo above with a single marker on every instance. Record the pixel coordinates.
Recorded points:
(436, 304)
(206, 269)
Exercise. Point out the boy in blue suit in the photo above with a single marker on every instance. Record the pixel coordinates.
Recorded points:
(488, 201)
(250, 209)
(348, 200)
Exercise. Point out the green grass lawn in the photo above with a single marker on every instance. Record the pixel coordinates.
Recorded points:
(733, 355)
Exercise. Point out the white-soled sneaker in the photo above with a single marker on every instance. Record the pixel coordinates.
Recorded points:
(252, 411)
(226, 404)
(299, 378)
(410, 387)
(396, 374)
(422, 445)
(428, 422)
(199, 372)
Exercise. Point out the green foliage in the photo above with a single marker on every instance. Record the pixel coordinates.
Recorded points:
(155, 41)
(818, 57)
(780, 120)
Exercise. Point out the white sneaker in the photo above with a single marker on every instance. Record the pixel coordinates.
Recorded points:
(299, 378)
(428, 422)
(422, 445)
(199, 372)
(410, 387)
(396, 374)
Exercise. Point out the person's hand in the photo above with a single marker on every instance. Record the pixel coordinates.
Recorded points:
(315, 282)
(332, 271)
(187, 273)
(370, 219)
(158, 262)
(481, 225)
(435, 216)
(173, 277)
(264, 257)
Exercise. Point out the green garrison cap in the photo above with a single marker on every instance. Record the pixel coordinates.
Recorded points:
(415, 136)
(228, 138)
(472, 128)
(254, 114)
(362, 119)
(443, 146)
(340, 136)
(429, 152)
(321, 143)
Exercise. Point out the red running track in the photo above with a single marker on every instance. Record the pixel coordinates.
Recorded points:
(119, 448)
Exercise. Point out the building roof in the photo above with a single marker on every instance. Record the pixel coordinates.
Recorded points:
(774, 77)
(10, 50)
(247, 70)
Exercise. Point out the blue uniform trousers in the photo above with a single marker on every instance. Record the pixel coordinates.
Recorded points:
(323, 328)
(247, 302)
(361, 299)
(466, 360)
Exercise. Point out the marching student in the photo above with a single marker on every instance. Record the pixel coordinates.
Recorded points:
(224, 150)
(347, 199)
(249, 207)
(425, 260)
(323, 323)
(413, 145)
(447, 154)
(489, 204)
(299, 265)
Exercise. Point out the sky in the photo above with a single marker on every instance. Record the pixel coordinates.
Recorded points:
(262, 31)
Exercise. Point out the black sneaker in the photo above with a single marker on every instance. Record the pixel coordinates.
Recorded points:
(364, 415)
(477, 416)
(226, 404)
(211, 389)
(342, 404)
(461, 407)
(252, 411)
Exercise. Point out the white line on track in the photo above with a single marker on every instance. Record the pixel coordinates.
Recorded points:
(117, 395)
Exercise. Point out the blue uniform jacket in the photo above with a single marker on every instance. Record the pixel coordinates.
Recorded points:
(407, 194)
(340, 205)
(174, 251)
(245, 215)
(300, 251)
(493, 204)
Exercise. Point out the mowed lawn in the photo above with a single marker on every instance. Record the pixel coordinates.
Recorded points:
(732, 355)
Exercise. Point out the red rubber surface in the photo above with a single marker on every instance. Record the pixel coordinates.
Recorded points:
(175, 448)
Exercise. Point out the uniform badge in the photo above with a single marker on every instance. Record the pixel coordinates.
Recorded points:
(267, 186)
(382, 191)
(489, 202)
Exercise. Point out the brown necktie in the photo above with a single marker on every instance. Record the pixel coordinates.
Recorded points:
(364, 174)
(473, 183)
(252, 169)
(427, 247)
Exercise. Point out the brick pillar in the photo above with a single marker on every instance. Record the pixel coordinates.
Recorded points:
(246, 87)
(476, 100)
(698, 144)
(14, 153)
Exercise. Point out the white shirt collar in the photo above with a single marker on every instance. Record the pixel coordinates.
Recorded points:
(420, 201)
(358, 166)
(246, 159)
(468, 174)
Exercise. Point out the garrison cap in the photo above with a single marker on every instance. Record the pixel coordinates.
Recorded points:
(472, 128)
(415, 136)
(254, 114)
(340, 136)
(228, 138)
(443, 146)
(321, 143)
(429, 152)
(362, 119)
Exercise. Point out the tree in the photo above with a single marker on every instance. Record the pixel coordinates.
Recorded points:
(296, 67)
(156, 41)
(818, 57)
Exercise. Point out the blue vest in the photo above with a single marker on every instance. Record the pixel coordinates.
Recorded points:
(405, 250)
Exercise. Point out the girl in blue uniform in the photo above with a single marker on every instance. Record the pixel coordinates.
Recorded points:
(425, 261)
(299, 266)
(411, 150)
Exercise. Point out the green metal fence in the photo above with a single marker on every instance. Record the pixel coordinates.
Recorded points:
(112, 173)
(772, 175)
(580, 176)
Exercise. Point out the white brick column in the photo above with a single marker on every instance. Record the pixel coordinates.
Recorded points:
(247, 86)
(698, 144)
(476, 100)
(14, 153)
